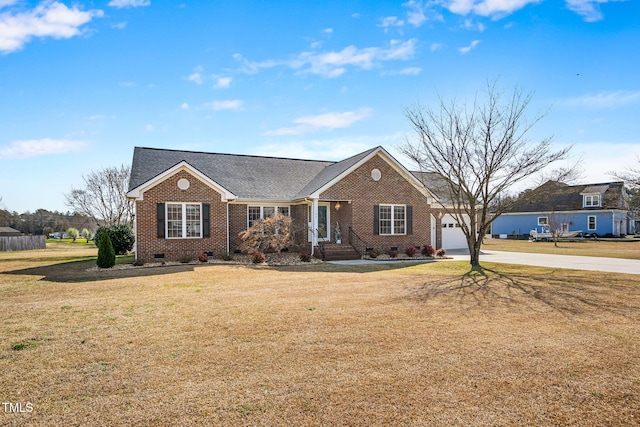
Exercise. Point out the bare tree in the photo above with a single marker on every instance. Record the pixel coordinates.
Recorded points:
(104, 197)
(479, 152)
(631, 179)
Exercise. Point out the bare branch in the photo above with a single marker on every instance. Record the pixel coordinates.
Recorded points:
(104, 196)
(478, 152)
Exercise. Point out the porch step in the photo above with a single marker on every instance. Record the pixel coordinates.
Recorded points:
(339, 252)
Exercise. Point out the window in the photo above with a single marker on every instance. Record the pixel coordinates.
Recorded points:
(592, 200)
(256, 213)
(184, 220)
(392, 219)
(591, 222)
(543, 220)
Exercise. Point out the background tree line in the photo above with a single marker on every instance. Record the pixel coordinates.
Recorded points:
(45, 222)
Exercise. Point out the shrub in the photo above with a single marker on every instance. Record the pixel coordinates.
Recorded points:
(410, 251)
(305, 256)
(441, 252)
(258, 257)
(203, 257)
(373, 253)
(428, 250)
(121, 236)
(227, 257)
(393, 253)
(138, 263)
(106, 253)
(273, 233)
(185, 259)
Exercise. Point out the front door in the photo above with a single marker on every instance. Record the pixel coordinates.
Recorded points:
(323, 223)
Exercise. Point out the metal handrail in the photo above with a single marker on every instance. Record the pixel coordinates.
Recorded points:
(356, 241)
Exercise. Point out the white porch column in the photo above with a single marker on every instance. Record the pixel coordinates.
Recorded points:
(314, 224)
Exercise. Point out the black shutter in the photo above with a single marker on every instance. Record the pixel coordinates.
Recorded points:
(160, 219)
(409, 219)
(206, 226)
(376, 220)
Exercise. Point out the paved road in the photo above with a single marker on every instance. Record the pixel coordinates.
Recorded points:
(615, 265)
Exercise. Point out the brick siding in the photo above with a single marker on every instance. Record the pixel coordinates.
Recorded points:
(147, 242)
(364, 193)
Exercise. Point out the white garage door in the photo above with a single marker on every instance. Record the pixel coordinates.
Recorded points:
(452, 235)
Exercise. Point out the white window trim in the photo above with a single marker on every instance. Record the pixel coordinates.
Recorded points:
(393, 219)
(595, 222)
(184, 220)
(594, 200)
(546, 221)
(276, 210)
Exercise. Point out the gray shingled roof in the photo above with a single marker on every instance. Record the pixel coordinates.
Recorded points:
(330, 172)
(556, 196)
(248, 177)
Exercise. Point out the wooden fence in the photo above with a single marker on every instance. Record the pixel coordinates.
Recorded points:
(21, 243)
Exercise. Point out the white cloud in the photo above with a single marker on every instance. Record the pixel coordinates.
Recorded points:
(149, 127)
(328, 149)
(328, 30)
(467, 49)
(196, 76)
(49, 19)
(318, 122)
(492, 8)
(228, 104)
(39, 147)
(605, 99)
(419, 12)
(409, 71)
(184, 106)
(129, 3)
(390, 21)
(588, 9)
(334, 64)
(222, 82)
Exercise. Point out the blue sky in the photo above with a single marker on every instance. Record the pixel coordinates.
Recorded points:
(83, 82)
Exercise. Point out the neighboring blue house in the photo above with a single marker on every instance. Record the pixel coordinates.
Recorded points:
(594, 209)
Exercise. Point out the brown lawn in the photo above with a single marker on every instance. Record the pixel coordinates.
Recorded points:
(627, 248)
(427, 345)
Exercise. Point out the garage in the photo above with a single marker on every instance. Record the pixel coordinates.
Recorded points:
(452, 235)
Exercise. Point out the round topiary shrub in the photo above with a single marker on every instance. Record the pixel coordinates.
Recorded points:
(122, 237)
(106, 254)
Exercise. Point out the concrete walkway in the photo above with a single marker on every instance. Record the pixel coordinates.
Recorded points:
(613, 265)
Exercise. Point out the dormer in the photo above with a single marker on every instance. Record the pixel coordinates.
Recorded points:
(592, 196)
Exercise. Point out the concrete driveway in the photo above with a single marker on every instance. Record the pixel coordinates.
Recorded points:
(613, 265)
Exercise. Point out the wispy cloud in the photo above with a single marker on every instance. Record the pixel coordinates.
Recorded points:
(390, 21)
(196, 76)
(492, 8)
(325, 121)
(605, 99)
(327, 149)
(467, 49)
(588, 9)
(40, 147)
(49, 19)
(129, 3)
(409, 71)
(335, 63)
(418, 12)
(227, 104)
